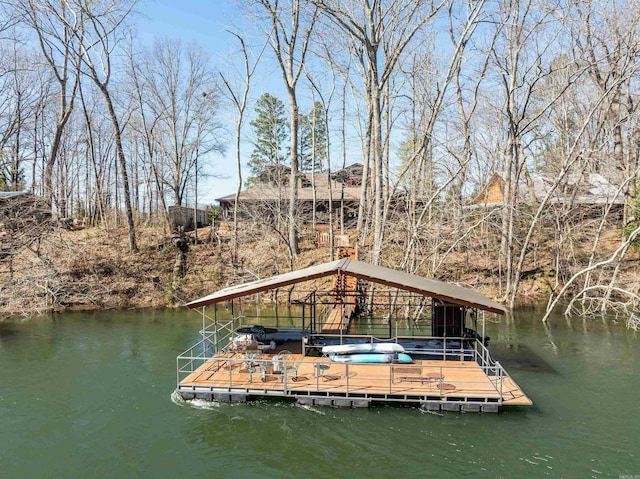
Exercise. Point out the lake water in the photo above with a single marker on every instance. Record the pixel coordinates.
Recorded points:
(90, 395)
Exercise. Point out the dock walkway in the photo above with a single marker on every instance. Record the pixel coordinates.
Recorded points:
(346, 286)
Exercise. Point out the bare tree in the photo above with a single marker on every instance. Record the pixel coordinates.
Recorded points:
(98, 32)
(429, 97)
(183, 95)
(522, 60)
(239, 97)
(57, 30)
(290, 44)
(605, 35)
(592, 120)
(382, 30)
(148, 126)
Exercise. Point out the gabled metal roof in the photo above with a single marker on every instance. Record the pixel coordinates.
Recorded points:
(378, 274)
(267, 284)
(448, 292)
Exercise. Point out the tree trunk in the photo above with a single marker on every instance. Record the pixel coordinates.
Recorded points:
(123, 167)
(293, 182)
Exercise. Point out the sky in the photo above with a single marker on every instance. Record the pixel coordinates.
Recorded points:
(207, 22)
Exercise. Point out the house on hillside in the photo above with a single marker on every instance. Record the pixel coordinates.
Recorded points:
(181, 217)
(338, 193)
(586, 192)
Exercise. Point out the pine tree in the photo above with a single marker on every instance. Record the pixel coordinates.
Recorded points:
(313, 129)
(271, 134)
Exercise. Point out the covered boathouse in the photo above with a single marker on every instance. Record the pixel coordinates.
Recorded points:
(399, 338)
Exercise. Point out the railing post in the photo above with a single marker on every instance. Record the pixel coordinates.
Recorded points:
(444, 349)
(215, 337)
(347, 376)
(284, 375)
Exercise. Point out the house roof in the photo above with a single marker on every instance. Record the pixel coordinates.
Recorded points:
(354, 169)
(378, 274)
(268, 192)
(589, 188)
(265, 193)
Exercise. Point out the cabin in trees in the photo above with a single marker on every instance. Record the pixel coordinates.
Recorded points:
(338, 193)
(589, 193)
(184, 218)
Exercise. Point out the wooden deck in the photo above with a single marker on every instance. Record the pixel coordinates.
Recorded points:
(241, 376)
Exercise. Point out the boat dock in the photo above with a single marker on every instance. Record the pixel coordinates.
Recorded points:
(449, 370)
(434, 385)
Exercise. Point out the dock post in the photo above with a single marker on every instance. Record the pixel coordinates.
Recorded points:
(284, 375)
(215, 329)
(484, 360)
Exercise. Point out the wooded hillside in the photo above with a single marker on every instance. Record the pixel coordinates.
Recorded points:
(533, 102)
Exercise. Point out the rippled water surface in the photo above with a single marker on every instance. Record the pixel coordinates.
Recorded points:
(90, 395)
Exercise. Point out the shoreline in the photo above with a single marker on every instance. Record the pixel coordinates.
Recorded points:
(91, 270)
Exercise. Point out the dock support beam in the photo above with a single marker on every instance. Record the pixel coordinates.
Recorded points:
(333, 402)
(453, 406)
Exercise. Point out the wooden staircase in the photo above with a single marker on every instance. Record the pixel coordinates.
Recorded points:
(344, 288)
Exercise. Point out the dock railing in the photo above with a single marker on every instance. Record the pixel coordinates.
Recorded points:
(214, 337)
(295, 372)
(446, 348)
(289, 375)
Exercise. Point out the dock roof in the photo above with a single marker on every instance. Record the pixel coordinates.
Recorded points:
(450, 293)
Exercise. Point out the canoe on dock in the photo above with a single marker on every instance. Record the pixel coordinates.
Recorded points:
(370, 358)
(389, 348)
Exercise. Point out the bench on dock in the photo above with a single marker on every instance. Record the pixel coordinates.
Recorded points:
(413, 374)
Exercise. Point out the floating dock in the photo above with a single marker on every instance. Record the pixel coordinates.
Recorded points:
(452, 369)
(434, 385)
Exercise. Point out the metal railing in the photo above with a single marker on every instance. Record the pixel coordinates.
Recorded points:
(447, 348)
(214, 337)
(219, 334)
(293, 376)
